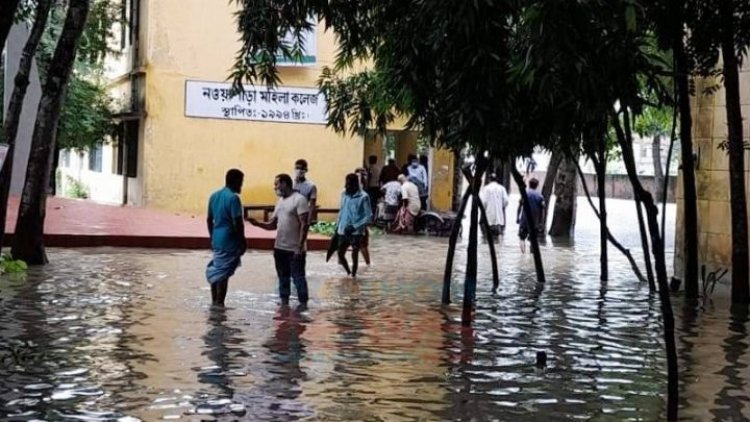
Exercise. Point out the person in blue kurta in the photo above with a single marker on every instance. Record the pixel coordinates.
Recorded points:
(355, 213)
(227, 230)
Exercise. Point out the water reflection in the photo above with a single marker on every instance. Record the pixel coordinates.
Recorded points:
(108, 334)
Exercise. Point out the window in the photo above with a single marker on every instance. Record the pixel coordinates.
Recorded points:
(65, 157)
(128, 144)
(95, 158)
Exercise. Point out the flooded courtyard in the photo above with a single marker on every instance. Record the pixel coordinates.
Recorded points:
(115, 334)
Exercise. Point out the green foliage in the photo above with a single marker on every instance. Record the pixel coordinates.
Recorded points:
(8, 265)
(86, 116)
(324, 228)
(655, 122)
(76, 189)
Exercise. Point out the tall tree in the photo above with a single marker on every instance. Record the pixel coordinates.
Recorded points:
(28, 242)
(15, 106)
(7, 17)
(736, 146)
(549, 181)
(566, 192)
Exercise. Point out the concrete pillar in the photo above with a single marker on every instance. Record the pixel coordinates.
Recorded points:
(441, 180)
(16, 41)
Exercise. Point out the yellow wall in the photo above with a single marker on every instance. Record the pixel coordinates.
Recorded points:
(184, 159)
(712, 178)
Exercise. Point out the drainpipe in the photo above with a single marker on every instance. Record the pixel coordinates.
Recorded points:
(135, 52)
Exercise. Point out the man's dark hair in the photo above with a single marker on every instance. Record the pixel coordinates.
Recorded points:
(301, 163)
(412, 157)
(234, 177)
(533, 183)
(373, 159)
(392, 161)
(494, 177)
(352, 179)
(286, 179)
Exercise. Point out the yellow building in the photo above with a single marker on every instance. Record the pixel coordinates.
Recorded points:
(712, 178)
(181, 130)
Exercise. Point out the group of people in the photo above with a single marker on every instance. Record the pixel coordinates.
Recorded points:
(292, 216)
(398, 194)
(494, 198)
(294, 213)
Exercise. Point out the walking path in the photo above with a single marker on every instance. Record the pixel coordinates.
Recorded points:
(80, 223)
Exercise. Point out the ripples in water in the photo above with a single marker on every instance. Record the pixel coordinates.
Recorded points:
(126, 335)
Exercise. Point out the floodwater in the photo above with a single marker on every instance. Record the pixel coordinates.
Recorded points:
(113, 334)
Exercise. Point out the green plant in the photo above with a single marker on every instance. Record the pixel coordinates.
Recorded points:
(77, 189)
(324, 228)
(8, 265)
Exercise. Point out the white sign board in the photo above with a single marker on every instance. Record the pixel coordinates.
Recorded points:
(215, 100)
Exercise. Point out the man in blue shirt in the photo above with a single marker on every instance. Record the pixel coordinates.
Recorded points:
(227, 231)
(355, 213)
(536, 203)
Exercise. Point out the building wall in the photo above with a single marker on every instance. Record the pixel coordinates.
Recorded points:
(712, 177)
(184, 159)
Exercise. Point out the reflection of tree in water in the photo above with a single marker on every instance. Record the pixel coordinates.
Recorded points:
(74, 324)
(733, 399)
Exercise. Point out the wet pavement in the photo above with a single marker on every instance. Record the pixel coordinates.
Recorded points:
(117, 334)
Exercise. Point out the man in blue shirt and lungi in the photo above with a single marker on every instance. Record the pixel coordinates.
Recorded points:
(227, 230)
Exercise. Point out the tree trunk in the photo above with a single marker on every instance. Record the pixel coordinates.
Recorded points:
(448, 275)
(740, 282)
(506, 175)
(644, 244)
(690, 200)
(470, 281)
(600, 166)
(491, 243)
(606, 231)
(15, 106)
(658, 172)
(532, 226)
(566, 192)
(549, 181)
(28, 241)
(457, 197)
(7, 16)
(625, 139)
(52, 189)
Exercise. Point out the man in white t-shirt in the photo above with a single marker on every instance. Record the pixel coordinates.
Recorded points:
(495, 199)
(410, 207)
(290, 220)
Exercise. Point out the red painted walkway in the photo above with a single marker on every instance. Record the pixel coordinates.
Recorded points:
(79, 223)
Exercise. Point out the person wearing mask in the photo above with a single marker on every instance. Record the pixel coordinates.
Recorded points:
(355, 214)
(495, 198)
(289, 219)
(306, 188)
(227, 232)
(389, 173)
(410, 207)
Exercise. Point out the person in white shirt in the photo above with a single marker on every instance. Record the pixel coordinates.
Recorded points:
(494, 198)
(410, 207)
(388, 208)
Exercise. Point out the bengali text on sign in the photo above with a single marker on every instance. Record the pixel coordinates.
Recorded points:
(217, 100)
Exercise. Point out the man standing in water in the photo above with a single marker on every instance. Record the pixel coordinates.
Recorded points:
(227, 231)
(355, 214)
(536, 204)
(290, 218)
